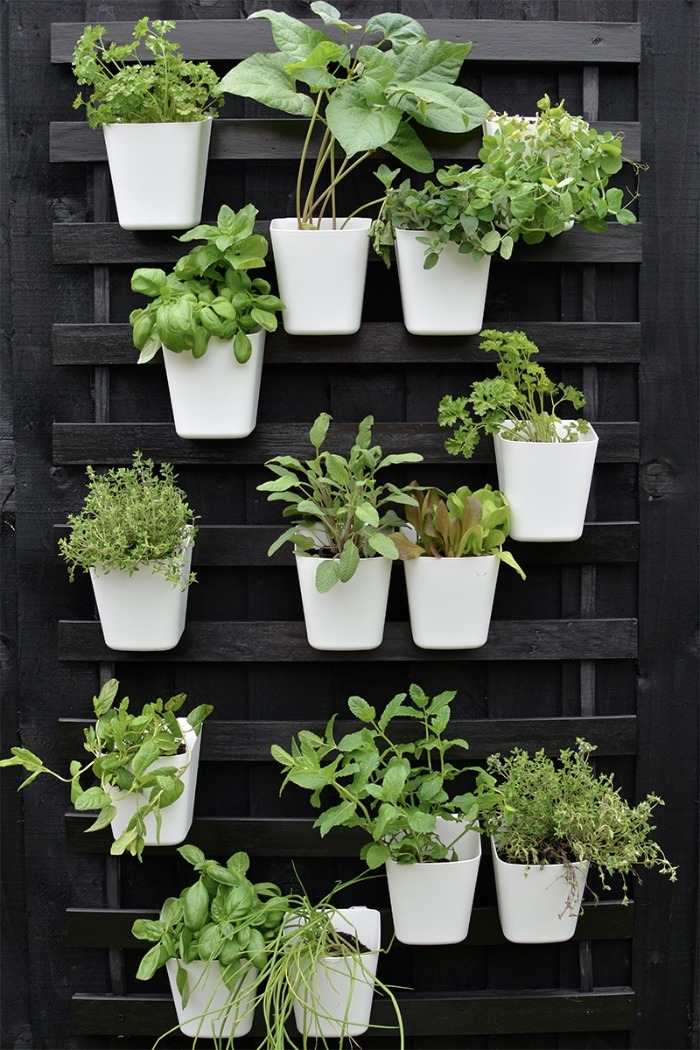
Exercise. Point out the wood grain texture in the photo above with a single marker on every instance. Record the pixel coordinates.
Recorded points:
(247, 545)
(496, 1012)
(275, 642)
(532, 42)
(92, 243)
(375, 344)
(275, 140)
(113, 443)
(102, 928)
(250, 740)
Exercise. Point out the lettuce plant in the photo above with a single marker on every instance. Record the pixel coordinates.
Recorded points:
(459, 524)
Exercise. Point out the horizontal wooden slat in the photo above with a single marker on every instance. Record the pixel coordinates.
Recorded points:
(375, 344)
(274, 642)
(282, 139)
(517, 1012)
(247, 545)
(250, 740)
(77, 243)
(104, 928)
(494, 41)
(113, 443)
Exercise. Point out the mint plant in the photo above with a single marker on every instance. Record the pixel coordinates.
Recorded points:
(520, 403)
(125, 89)
(549, 812)
(131, 515)
(208, 293)
(459, 524)
(392, 787)
(361, 88)
(340, 507)
(124, 747)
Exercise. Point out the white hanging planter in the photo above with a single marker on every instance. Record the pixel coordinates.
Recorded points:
(141, 612)
(447, 299)
(212, 1011)
(321, 275)
(538, 905)
(176, 819)
(351, 615)
(431, 903)
(335, 999)
(547, 484)
(158, 173)
(450, 600)
(214, 396)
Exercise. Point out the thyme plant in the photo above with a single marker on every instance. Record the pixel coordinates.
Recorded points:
(130, 516)
(549, 812)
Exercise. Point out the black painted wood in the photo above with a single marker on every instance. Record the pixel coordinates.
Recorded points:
(535, 42)
(601, 645)
(375, 344)
(247, 545)
(280, 642)
(250, 740)
(78, 443)
(74, 141)
(92, 243)
(496, 1012)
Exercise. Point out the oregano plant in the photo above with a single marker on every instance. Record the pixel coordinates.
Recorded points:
(124, 747)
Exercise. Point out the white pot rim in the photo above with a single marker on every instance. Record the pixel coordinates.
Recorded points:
(154, 123)
(589, 437)
(289, 224)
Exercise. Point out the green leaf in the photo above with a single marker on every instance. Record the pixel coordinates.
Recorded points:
(383, 545)
(348, 562)
(93, 798)
(356, 124)
(368, 514)
(327, 575)
(375, 854)
(146, 754)
(335, 816)
(106, 816)
(361, 709)
(436, 61)
(407, 147)
(195, 901)
(148, 281)
(296, 39)
(317, 434)
(193, 855)
(263, 77)
(242, 347)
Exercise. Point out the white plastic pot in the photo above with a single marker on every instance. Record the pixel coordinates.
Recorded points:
(321, 275)
(141, 612)
(214, 396)
(445, 300)
(450, 600)
(335, 999)
(431, 903)
(538, 905)
(158, 173)
(212, 1011)
(351, 615)
(547, 485)
(176, 819)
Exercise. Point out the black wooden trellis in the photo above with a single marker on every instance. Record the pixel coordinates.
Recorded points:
(597, 643)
